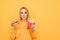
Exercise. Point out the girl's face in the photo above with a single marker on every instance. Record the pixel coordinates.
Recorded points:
(23, 14)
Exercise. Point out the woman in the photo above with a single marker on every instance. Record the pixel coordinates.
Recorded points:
(22, 28)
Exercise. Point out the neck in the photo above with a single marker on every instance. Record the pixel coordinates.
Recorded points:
(23, 20)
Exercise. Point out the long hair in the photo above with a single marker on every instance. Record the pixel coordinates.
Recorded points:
(20, 13)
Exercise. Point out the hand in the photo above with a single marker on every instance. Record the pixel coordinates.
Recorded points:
(33, 28)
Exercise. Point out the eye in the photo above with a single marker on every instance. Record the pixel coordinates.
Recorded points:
(25, 12)
(21, 12)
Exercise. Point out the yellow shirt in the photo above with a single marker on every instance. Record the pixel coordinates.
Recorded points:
(21, 31)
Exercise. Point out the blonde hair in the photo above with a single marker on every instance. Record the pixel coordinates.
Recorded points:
(27, 12)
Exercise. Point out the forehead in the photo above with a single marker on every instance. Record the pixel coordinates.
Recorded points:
(23, 10)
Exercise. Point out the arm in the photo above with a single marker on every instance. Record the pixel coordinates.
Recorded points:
(33, 32)
(13, 32)
(33, 29)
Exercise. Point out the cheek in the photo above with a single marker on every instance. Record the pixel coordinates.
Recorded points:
(25, 15)
(21, 15)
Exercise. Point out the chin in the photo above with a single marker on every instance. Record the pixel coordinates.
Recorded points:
(23, 19)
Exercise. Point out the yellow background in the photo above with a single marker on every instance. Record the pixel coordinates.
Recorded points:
(44, 12)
